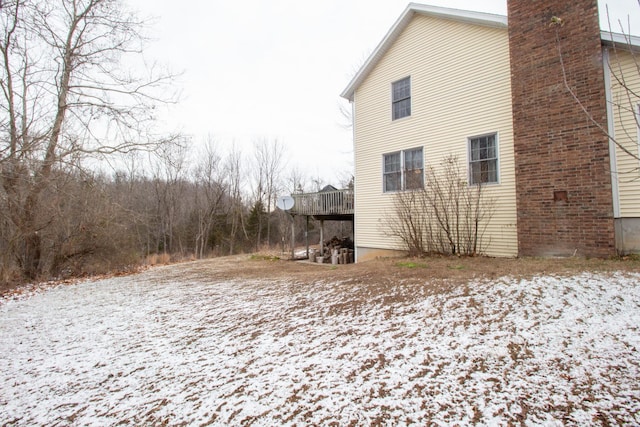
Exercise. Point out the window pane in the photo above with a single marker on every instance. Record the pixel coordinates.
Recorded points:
(491, 152)
(414, 176)
(413, 159)
(392, 172)
(396, 111)
(483, 160)
(414, 179)
(402, 109)
(475, 149)
(401, 89)
(484, 172)
(397, 92)
(401, 98)
(392, 182)
(392, 162)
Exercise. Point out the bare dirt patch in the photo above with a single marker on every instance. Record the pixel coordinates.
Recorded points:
(380, 272)
(391, 270)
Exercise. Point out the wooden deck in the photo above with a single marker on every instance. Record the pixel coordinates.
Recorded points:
(325, 205)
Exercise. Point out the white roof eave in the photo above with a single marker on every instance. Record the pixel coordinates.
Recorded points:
(620, 41)
(476, 18)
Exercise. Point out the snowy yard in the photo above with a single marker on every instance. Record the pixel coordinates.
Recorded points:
(174, 346)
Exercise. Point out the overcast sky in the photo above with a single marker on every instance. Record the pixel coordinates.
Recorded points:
(275, 68)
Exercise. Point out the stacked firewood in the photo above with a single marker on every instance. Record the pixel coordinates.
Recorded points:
(341, 256)
(336, 251)
(341, 250)
(339, 242)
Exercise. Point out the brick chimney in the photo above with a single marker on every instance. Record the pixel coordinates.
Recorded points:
(563, 181)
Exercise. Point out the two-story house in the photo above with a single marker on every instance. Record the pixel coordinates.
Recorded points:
(534, 108)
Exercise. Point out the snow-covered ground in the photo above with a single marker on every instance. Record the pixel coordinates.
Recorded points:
(170, 346)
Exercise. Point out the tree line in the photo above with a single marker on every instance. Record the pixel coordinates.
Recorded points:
(181, 201)
(87, 182)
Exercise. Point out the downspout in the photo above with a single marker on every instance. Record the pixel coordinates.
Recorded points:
(615, 189)
(353, 143)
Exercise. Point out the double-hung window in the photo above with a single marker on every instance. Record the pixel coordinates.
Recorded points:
(483, 159)
(392, 171)
(401, 98)
(403, 170)
(413, 169)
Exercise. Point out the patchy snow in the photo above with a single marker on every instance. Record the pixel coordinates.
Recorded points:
(173, 346)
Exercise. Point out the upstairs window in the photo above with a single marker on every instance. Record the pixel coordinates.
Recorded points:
(483, 160)
(403, 170)
(401, 98)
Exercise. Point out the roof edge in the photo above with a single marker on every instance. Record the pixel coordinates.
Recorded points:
(620, 40)
(476, 18)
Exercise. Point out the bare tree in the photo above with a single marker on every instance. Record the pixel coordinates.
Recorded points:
(448, 216)
(66, 95)
(411, 223)
(170, 182)
(93, 233)
(626, 105)
(210, 194)
(269, 162)
(235, 172)
(346, 115)
(296, 181)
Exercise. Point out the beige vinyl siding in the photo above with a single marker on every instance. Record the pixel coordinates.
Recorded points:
(624, 67)
(460, 87)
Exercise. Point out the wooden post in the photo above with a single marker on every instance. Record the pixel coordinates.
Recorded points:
(306, 236)
(293, 237)
(322, 237)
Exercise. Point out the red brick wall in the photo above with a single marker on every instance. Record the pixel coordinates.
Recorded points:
(563, 185)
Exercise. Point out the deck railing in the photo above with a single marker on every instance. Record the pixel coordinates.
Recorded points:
(339, 202)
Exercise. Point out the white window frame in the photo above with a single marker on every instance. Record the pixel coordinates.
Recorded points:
(395, 101)
(403, 170)
(386, 173)
(637, 118)
(470, 160)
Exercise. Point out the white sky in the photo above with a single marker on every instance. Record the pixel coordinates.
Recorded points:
(274, 69)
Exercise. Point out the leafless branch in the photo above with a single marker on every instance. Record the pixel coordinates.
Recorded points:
(575, 97)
